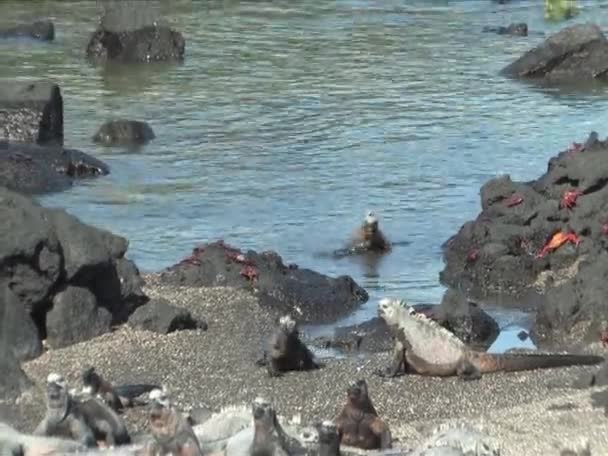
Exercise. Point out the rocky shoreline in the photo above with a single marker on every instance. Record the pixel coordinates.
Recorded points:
(70, 298)
(215, 368)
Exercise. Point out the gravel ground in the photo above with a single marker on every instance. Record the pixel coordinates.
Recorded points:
(529, 411)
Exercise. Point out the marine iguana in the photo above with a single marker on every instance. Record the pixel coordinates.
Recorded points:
(64, 418)
(171, 431)
(106, 424)
(329, 439)
(220, 427)
(286, 352)
(426, 348)
(369, 237)
(117, 397)
(268, 437)
(359, 423)
(15, 443)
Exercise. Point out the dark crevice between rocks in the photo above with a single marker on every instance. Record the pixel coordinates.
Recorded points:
(599, 185)
(567, 180)
(39, 317)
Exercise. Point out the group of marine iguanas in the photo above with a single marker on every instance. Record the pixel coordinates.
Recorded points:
(421, 346)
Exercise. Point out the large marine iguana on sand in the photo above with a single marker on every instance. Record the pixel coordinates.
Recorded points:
(426, 348)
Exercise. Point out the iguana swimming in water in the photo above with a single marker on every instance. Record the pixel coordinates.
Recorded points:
(426, 348)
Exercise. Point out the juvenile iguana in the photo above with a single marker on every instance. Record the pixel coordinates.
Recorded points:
(426, 348)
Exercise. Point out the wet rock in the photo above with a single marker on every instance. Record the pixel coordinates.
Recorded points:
(161, 317)
(122, 131)
(149, 44)
(514, 29)
(31, 112)
(21, 331)
(75, 317)
(370, 336)
(535, 245)
(308, 296)
(62, 272)
(13, 380)
(43, 30)
(33, 169)
(576, 53)
(466, 320)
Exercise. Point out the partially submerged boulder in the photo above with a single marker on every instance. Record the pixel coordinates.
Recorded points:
(34, 169)
(43, 30)
(31, 112)
(576, 53)
(130, 31)
(158, 315)
(62, 274)
(542, 244)
(513, 29)
(310, 297)
(124, 132)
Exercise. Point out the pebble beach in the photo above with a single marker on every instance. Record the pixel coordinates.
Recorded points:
(533, 413)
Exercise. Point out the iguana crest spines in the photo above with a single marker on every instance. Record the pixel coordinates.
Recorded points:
(432, 325)
(287, 323)
(57, 379)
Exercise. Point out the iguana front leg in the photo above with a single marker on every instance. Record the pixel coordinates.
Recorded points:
(379, 428)
(398, 364)
(81, 432)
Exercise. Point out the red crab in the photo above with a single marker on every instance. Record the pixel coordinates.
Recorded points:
(249, 272)
(514, 200)
(557, 240)
(604, 338)
(193, 260)
(569, 199)
(472, 255)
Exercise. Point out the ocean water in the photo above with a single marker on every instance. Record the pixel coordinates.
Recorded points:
(288, 120)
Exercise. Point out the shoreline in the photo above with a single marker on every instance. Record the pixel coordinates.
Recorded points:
(215, 368)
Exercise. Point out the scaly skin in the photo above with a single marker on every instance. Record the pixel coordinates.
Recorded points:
(117, 397)
(171, 431)
(63, 417)
(426, 348)
(286, 352)
(358, 422)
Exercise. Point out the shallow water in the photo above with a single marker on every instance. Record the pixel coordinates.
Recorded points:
(288, 120)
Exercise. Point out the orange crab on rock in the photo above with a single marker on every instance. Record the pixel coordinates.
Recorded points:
(569, 199)
(557, 240)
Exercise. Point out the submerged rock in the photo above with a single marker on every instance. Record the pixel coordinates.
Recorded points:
(307, 295)
(34, 169)
(576, 53)
(122, 131)
(148, 44)
(43, 30)
(542, 244)
(514, 29)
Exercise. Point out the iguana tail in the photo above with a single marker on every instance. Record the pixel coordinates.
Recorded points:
(133, 391)
(511, 362)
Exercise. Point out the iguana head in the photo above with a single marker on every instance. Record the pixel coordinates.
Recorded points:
(264, 415)
(56, 391)
(370, 224)
(357, 392)
(287, 324)
(391, 310)
(163, 419)
(91, 380)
